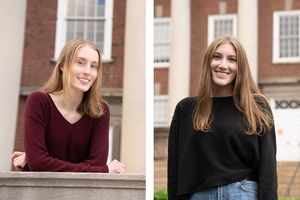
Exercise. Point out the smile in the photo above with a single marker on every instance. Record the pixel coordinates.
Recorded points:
(84, 80)
(222, 73)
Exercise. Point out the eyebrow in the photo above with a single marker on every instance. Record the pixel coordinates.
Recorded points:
(85, 59)
(222, 54)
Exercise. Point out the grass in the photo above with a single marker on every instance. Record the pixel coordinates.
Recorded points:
(163, 195)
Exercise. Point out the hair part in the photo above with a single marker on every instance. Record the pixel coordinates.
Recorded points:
(60, 78)
(253, 106)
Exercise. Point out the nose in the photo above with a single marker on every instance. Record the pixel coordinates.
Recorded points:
(223, 64)
(87, 69)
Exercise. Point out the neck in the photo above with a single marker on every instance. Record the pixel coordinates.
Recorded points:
(225, 91)
(70, 101)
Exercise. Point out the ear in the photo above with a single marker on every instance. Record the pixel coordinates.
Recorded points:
(61, 67)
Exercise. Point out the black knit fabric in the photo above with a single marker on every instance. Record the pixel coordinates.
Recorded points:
(226, 154)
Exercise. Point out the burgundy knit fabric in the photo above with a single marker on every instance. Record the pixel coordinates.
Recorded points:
(53, 144)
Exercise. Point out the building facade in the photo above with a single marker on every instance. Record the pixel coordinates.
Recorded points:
(269, 31)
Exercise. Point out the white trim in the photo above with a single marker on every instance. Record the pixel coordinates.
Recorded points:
(161, 65)
(275, 52)
(211, 25)
(61, 27)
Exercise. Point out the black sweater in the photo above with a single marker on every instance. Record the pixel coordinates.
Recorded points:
(226, 154)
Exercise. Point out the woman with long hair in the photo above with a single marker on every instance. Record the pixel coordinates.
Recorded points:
(66, 124)
(222, 142)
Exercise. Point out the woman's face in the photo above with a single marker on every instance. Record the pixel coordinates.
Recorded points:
(85, 69)
(223, 69)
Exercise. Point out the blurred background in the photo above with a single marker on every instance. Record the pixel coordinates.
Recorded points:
(270, 34)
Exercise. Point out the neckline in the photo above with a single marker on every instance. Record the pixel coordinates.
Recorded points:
(60, 114)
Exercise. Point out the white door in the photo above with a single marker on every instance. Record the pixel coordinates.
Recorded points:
(287, 126)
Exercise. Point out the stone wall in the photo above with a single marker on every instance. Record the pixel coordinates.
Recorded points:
(66, 185)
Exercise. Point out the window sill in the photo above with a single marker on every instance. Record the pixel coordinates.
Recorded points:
(161, 65)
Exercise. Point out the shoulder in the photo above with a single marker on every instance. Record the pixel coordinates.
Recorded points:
(185, 106)
(188, 101)
(37, 96)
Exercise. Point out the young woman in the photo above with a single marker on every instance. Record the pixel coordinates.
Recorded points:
(222, 142)
(66, 126)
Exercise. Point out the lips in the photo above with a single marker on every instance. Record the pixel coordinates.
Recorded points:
(222, 73)
(84, 80)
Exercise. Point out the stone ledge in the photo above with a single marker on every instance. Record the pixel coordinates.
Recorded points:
(67, 185)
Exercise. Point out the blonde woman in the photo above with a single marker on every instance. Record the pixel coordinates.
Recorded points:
(222, 142)
(66, 126)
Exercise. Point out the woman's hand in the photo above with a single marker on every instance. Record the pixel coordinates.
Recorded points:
(116, 167)
(19, 160)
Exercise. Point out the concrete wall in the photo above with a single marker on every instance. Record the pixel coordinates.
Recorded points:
(65, 185)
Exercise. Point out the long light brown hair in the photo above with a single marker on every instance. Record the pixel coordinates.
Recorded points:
(253, 106)
(60, 81)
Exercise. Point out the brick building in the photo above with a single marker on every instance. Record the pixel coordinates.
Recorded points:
(269, 31)
(48, 25)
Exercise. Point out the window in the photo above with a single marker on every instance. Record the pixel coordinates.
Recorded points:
(161, 111)
(162, 41)
(220, 25)
(286, 36)
(88, 19)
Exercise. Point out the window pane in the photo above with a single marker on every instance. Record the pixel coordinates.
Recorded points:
(162, 41)
(91, 8)
(71, 8)
(223, 26)
(70, 30)
(90, 31)
(289, 36)
(101, 8)
(80, 7)
(80, 29)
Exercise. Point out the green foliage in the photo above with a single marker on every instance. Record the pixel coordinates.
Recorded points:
(281, 198)
(163, 195)
(160, 195)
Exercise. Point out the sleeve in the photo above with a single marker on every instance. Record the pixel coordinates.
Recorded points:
(267, 173)
(173, 160)
(98, 151)
(35, 124)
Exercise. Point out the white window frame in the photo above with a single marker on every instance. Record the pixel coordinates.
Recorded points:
(211, 25)
(276, 44)
(163, 64)
(61, 28)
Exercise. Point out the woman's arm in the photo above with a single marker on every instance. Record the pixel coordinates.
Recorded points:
(173, 161)
(267, 174)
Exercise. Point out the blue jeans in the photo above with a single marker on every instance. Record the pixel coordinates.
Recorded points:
(244, 190)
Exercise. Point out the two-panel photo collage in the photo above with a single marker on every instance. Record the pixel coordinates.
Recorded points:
(150, 99)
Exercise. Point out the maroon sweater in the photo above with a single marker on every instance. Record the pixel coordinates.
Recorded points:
(53, 144)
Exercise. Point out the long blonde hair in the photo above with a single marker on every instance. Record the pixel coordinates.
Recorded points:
(58, 81)
(253, 106)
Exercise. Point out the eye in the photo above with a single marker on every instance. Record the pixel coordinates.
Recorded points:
(80, 63)
(216, 57)
(94, 66)
(232, 59)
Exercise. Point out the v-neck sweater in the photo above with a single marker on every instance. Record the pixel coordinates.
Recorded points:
(54, 144)
(224, 155)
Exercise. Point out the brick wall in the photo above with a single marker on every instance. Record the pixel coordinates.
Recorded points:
(39, 42)
(265, 34)
(113, 72)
